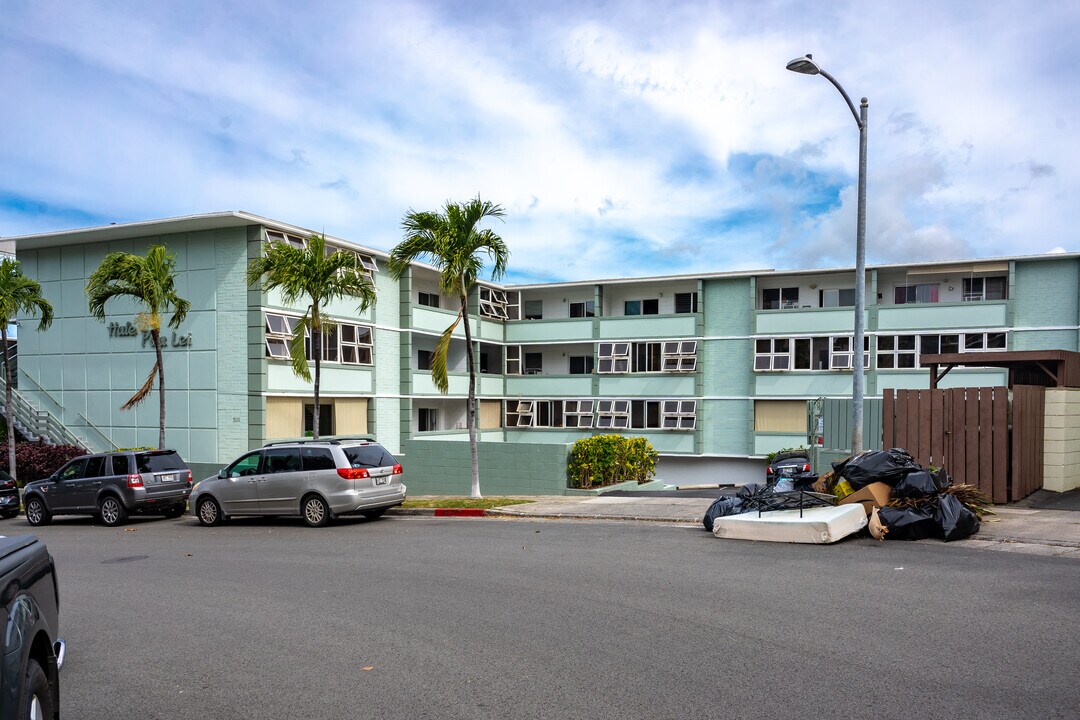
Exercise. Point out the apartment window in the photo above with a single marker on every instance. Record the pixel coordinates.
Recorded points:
(678, 414)
(989, 288)
(842, 353)
(645, 414)
(549, 413)
(578, 413)
(896, 352)
(686, 302)
(641, 307)
(279, 332)
(680, 355)
(582, 308)
(612, 414)
(647, 357)
(326, 418)
(962, 342)
(329, 336)
(811, 353)
(780, 416)
(534, 309)
(428, 419)
(429, 299)
(534, 363)
(907, 294)
(581, 364)
(355, 344)
(493, 303)
(424, 359)
(366, 262)
(288, 238)
(513, 359)
(772, 354)
(523, 415)
(842, 297)
(777, 298)
(613, 358)
(939, 344)
(485, 362)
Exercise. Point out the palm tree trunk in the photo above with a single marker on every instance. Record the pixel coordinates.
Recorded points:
(156, 335)
(316, 354)
(470, 408)
(7, 402)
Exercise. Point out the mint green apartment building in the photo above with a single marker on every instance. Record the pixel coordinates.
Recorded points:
(714, 368)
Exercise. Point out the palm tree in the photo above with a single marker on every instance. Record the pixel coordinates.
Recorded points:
(151, 282)
(18, 295)
(318, 277)
(451, 241)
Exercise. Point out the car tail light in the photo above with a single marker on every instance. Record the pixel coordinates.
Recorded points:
(135, 481)
(768, 470)
(806, 467)
(353, 473)
(397, 469)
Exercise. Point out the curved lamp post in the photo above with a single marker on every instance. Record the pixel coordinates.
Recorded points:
(807, 66)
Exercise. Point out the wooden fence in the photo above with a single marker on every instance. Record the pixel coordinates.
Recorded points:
(967, 432)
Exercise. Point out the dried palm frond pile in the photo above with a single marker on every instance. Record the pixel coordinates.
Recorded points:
(969, 496)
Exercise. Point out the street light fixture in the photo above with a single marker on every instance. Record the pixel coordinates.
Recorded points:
(807, 66)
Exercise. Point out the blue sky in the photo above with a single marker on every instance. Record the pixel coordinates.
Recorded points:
(622, 138)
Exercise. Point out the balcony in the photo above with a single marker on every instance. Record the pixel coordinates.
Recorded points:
(927, 316)
(549, 385)
(625, 327)
(806, 321)
(557, 329)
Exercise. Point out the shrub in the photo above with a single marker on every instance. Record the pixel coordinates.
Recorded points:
(603, 460)
(36, 460)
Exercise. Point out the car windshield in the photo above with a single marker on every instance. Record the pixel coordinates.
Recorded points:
(369, 456)
(159, 462)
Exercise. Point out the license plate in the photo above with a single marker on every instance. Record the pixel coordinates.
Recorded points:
(167, 479)
(382, 480)
(787, 471)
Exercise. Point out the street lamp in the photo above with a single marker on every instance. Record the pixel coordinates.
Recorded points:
(807, 66)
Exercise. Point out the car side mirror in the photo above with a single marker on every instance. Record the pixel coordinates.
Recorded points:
(222, 474)
(54, 478)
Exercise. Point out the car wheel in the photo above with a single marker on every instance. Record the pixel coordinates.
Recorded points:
(112, 512)
(36, 512)
(36, 700)
(315, 511)
(209, 512)
(175, 511)
(374, 514)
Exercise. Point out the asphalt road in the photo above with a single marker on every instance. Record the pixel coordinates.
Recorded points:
(411, 617)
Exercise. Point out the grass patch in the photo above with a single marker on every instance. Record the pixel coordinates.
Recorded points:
(460, 502)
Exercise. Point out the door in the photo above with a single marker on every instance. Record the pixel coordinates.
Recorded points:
(63, 493)
(280, 481)
(90, 485)
(238, 492)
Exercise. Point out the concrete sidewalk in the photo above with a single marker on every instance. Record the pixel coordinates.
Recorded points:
(1013, 528)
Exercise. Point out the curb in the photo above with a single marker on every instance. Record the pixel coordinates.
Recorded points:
(439, 512)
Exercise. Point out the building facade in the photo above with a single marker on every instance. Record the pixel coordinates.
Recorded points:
(715, 369)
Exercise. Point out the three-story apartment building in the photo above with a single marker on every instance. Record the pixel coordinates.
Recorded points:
(714, 368)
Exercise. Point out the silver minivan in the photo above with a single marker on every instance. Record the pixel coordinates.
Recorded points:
(317, 480)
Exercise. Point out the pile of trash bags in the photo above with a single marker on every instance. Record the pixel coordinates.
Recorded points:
(905, 500)
(902, 499)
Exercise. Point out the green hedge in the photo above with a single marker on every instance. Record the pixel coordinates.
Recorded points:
(604, 460)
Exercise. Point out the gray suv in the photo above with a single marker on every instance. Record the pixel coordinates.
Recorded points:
(317, 480)
(112, 486)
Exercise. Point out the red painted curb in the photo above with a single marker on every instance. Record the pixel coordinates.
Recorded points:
(460, 512)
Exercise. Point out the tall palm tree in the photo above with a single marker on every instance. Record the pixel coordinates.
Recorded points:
(452, 242)
(18, 295)
(313, 275)
(151, 282)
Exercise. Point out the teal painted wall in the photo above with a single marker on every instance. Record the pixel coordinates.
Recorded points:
(1046, 295)
(443, 467)
(726, 426)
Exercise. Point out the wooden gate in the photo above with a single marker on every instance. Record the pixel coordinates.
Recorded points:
(967, 431)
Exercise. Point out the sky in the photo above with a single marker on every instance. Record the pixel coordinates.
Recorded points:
(622, 139)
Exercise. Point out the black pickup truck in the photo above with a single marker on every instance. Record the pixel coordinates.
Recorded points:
(31, 652)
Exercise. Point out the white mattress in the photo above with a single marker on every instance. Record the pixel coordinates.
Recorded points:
(817, 525)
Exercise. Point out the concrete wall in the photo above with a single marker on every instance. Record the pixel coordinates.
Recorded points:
(442, 467)
(1061, 444)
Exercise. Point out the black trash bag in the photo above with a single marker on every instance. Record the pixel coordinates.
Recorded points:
(954, 521)
(887, 466)
(942, 478)
(749, 490)
(920, 484)
(907, 524)
(722, 507)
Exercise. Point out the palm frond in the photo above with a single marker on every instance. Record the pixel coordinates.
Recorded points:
(298, 349)
(439, 372)
(142, 393)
